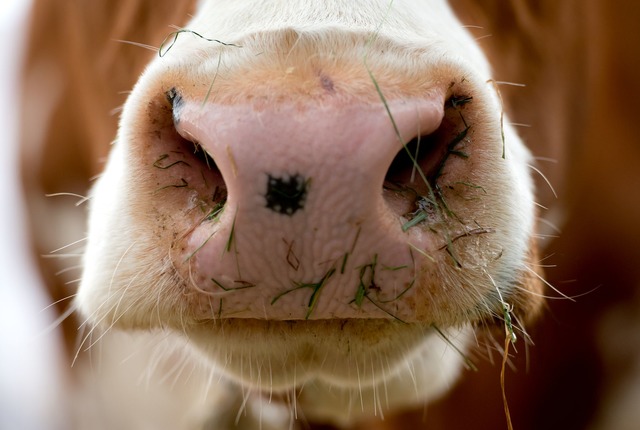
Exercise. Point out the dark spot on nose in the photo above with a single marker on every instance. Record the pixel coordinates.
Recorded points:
(286, 194)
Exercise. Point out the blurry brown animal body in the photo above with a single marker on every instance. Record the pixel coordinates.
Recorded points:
(577, 64)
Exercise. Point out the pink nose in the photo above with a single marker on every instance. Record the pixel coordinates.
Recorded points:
(304, 226)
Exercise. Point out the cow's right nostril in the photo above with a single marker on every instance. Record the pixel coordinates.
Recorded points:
(424, 156)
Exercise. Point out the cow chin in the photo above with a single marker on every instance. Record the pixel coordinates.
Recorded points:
(310, 204)
(280, 355)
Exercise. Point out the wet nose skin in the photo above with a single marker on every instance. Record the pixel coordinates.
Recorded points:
(305, 232)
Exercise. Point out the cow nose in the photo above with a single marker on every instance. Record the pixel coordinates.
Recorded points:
(306, 199)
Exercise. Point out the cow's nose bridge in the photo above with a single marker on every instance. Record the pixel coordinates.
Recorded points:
(290, 158)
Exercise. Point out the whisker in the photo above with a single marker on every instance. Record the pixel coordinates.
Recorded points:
(549, 224)
(541, 206)
(71, 296)
(546, 236)
(85, 323)
(243, 406)
(412, 374)
(544, 266)
(116, 319)
(359, 385)
(69, 245)
(520, 327)
(548, 284)
(184, 364)
(467, 361)
(68, 269)
(116, 110)
(486, 36)
(122, 295)
(115, 270)
(507, 308)
(73, 281)
(50, 256)
(84, 339)
(293, 392)
(58, 321)
(546, 257)
(138, 44)
(513, 84)
(538, 171)
(546, 159)
(79, 196)
(384, 380)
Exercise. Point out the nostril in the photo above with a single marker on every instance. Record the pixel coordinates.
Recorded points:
(182, 160)
(420, 168)
(418, 157)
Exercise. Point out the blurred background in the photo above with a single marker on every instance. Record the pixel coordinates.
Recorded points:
(65, 75)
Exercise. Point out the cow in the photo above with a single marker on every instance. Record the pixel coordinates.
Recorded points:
(323, 203)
